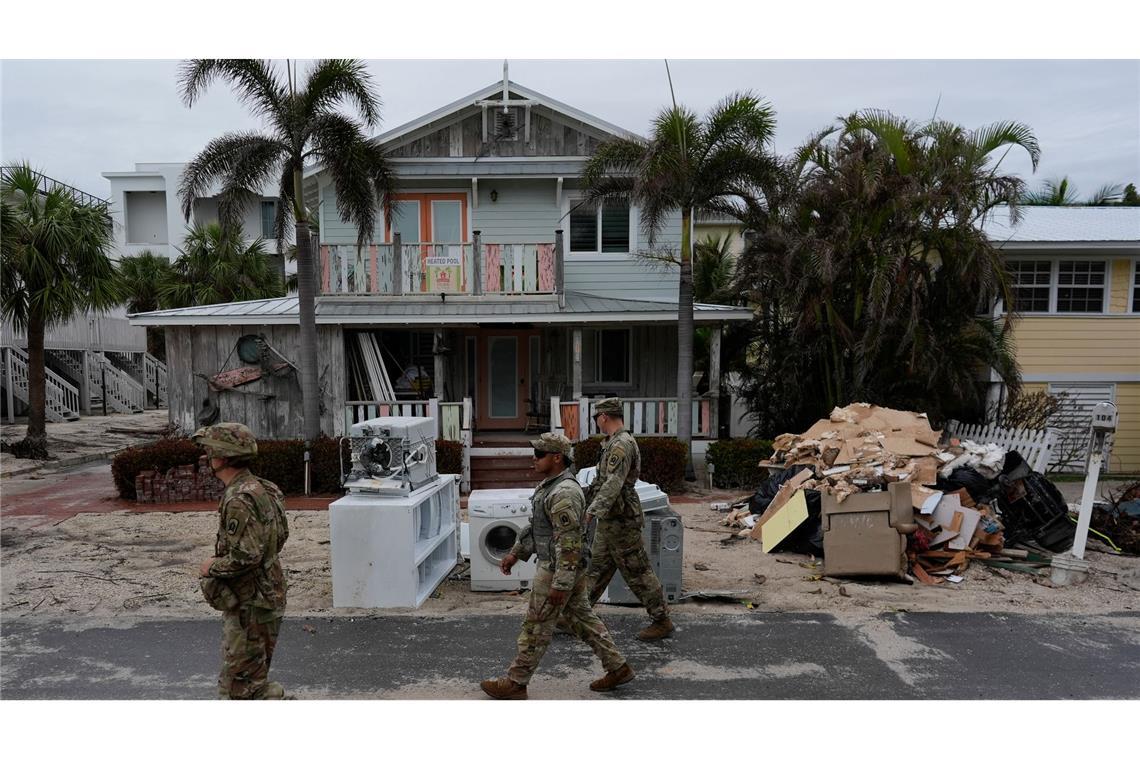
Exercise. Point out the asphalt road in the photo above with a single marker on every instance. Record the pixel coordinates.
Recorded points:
(761, 656)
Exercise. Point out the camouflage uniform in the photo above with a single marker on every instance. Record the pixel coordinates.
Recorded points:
(613, 502)
(252, 529)
(556, 534)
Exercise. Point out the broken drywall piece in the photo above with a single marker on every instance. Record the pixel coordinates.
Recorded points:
(931, 503)
(789, 517)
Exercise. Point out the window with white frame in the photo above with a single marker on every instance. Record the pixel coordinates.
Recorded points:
(612, 357)
(1080, 287)
(1136, 286)
(602, 228)
(1031, 285)
(268, 215)
(1074, 286)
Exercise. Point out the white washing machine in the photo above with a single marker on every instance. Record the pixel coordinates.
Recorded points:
(496, 517)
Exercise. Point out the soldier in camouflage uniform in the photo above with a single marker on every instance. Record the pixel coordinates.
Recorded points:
(244, 578)
(557, 534)
(613, 502)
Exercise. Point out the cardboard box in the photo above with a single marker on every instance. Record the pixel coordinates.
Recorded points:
(866, 534)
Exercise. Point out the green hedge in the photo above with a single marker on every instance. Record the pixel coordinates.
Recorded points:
(662, 460)
(279, 461)
(735, 462)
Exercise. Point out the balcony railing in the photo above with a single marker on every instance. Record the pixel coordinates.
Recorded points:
(643, 416)
(475, 268)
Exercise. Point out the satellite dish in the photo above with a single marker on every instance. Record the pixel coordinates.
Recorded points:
(376, 457)
(250, 348)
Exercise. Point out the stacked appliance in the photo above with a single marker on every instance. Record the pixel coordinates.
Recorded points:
(664, 539)
(395, 534)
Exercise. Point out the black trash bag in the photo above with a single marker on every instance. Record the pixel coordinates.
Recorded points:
(1037, 513)
(976, 484)
(767, 490)
(808, 537)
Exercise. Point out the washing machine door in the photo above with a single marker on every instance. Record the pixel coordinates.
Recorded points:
(497, 538)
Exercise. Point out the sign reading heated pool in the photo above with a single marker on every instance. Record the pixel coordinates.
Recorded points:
(451, 259)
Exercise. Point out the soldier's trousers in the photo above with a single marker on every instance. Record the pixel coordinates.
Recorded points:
(541, 617)
(247, 651)
(618, 547)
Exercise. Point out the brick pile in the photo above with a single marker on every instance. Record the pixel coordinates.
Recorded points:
(186, 482)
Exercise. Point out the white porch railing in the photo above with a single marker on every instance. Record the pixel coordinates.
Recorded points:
(655, 417)
(83, 332)
(124, 394)
(433, 267)
(62, 398)
(155, 373)
(453, 417)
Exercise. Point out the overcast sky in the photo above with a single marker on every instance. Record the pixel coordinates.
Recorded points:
(77, 119)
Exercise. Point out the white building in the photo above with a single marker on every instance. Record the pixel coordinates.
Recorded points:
(147, 212)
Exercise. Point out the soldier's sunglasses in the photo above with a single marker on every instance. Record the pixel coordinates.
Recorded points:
(540, 454)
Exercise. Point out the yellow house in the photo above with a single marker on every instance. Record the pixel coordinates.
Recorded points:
(1077, 284)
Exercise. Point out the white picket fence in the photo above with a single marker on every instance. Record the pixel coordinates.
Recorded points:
(653, 417)
(62, 398)
(1035, 446)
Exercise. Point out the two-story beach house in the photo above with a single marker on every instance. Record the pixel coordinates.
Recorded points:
(496, 300)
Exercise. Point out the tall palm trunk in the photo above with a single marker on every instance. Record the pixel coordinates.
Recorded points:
(306, 305)
(685, 343)
(35, 441)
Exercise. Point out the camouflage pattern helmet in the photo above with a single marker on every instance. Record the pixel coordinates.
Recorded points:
(555, 443)
(611, 406)
(226, 439)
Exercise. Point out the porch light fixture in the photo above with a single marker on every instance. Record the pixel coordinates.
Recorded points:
(494, 195)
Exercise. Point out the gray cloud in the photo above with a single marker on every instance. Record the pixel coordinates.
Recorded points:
(76, 119)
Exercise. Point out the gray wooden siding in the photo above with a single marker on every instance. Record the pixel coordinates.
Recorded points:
(654, 370)
(205, 349)
(525, 211)
(464, 138)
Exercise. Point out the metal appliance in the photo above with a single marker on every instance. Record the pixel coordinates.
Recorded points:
(664, 539)
(390, 455)
(496, 517)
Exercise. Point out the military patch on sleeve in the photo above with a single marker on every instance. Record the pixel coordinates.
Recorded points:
(232, 526)
(565, 520)
(615, 459)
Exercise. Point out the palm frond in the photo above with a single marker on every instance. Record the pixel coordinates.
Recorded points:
(236, 159)
(254, 81)
(335, 79)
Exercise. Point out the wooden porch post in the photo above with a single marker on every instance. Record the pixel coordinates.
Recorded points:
(397, 265)
(560, 268)
(477, 263)
(577, 360)
(8, 384)
(85, 384)
(714, 382)
(440, 364)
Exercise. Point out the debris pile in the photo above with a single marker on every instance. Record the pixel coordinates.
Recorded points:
(875, 491)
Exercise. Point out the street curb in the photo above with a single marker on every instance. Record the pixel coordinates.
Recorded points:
(51, 465)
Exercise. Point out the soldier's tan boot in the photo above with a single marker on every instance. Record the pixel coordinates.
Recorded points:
(273, 690)
(613, 679)
(503, 688)
(658, 629)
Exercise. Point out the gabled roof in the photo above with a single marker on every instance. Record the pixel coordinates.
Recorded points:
(445, 113)
(405, 311)
(441, 114)
(1066, 225)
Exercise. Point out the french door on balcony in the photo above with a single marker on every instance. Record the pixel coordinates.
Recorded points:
(439, 218)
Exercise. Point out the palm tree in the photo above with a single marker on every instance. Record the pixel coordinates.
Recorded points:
(214, 266)
(56, 264)
(1062, 193)
(305, 122)
(689, 166)
(143, 276)
(871, 269)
